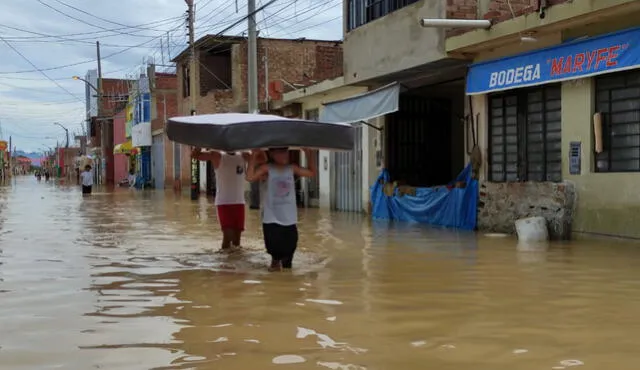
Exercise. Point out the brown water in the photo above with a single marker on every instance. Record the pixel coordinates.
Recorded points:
(130, 280)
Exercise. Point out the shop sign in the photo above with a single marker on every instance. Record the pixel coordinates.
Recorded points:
(577, 59)
(195, 167)
(3, 145)
(141, 134)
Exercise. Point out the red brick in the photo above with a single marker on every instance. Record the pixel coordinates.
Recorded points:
(498, 10)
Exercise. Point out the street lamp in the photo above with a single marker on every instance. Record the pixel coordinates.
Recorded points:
(78, 78)
(65, 130)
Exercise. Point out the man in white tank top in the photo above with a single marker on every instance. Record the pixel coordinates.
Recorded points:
(230, 203)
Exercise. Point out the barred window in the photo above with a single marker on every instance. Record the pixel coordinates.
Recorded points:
(618, 99)
(361, 12)
(525, 135)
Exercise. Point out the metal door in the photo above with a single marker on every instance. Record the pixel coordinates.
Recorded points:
(347, 173)
(157, 161)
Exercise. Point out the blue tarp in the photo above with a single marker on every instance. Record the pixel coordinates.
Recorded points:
(440, 206)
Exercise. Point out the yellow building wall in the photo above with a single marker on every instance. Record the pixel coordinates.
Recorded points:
(608, 203)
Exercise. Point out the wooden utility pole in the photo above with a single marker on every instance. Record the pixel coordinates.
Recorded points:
(195, 164)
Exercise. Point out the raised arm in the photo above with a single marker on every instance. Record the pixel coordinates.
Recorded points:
(253, 173)
(312, 168)
(214, 157)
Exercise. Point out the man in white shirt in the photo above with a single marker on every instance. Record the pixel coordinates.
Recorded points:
(230, 182)
(86, 178)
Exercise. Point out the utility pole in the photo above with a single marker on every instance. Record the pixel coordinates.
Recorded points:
(195, 164)
(101, 125)
(252, 73)
(99, 79)
(10, 159)
(252, 63)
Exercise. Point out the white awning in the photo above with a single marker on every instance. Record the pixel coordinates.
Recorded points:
(363, 107)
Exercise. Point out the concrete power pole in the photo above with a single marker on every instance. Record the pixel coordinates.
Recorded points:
(195, 164)
(101, 124)
(252, 62)
(252, 98)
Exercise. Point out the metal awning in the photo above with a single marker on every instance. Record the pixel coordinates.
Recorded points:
(363, 107)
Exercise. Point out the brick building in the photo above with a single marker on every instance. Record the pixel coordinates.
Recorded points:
(164, 104)
(283, 64)
(100, 123)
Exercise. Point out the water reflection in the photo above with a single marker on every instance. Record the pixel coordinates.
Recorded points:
(130, 279)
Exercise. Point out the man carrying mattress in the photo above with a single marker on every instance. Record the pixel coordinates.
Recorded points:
(230, 182)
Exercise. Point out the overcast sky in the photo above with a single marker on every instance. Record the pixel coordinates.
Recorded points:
(59, 40)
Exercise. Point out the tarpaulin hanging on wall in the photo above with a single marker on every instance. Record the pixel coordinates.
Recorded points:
(449, 206)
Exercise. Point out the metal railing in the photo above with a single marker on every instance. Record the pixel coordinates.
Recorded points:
(360, 12)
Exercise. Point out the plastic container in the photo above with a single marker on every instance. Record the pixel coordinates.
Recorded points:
(532, 229)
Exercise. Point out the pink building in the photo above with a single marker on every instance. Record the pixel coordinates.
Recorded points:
(120, 165)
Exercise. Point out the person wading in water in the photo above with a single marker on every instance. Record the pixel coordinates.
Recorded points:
(230, 200)
(279, 208)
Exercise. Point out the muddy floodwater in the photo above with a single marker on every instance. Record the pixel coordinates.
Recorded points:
(132, 280)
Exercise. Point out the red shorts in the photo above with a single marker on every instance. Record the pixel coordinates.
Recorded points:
(231, 216)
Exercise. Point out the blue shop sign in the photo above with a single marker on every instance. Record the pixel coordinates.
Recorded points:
(577, 59)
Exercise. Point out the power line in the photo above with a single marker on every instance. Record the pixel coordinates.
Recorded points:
(36, 68)
(85, 22)
(95, 33)
(83, 62)
(103, 19)
(82, 41)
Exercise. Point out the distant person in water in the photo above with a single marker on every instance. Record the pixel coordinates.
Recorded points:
(279, 208)
(230, 170)
(86, 178)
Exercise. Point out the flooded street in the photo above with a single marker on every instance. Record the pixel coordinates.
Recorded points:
(131, 280)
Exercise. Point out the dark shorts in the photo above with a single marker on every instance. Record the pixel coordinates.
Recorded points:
(86, 189)
(281, 242)
(231, 216)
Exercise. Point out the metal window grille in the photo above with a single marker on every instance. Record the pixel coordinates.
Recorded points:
(618, 99)
(360, 12)
(525, 135)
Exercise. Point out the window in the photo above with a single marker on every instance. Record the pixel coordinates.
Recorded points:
(525, 135)
(360, 12)
(186, 81)
(618, 99)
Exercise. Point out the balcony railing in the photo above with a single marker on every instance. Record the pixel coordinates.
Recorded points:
(360, 12)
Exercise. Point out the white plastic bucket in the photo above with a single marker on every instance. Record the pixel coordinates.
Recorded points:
(532, 229)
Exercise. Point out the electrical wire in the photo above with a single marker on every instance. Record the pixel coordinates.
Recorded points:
(93, 34)
(103, 19)
(88, 23)
(82, 62)
(37, 69)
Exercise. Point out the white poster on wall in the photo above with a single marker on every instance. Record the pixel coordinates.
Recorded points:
(141, 134)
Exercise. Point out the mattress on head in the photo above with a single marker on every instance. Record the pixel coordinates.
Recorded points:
(240, 131)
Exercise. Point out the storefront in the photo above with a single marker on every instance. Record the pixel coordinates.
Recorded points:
(566, 112)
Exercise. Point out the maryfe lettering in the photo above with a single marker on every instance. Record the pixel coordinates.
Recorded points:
(586, 61)
(517, 75)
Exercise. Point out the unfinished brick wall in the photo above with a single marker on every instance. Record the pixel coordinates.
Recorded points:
(494, 10)
(164, 99)
(295, 61)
